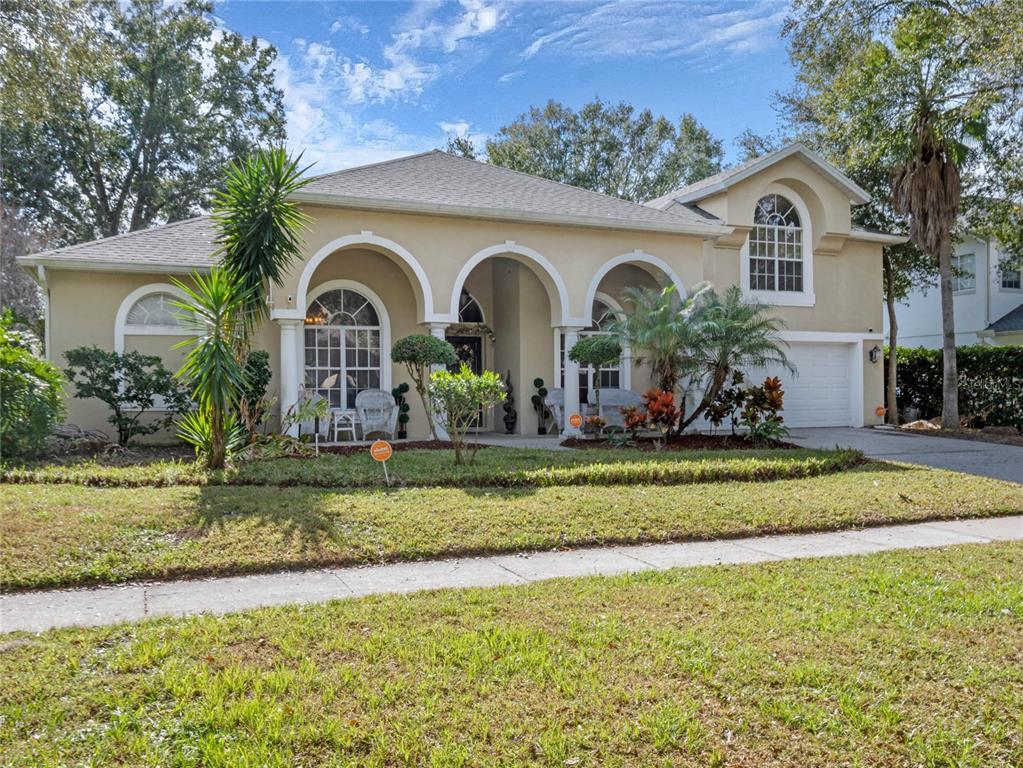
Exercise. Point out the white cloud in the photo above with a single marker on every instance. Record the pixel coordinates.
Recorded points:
(459, 129)
(507, 77)
(698, 31)
(349, 24)
(478, 18)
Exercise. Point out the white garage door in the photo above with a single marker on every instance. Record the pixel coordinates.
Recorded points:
(820, 395)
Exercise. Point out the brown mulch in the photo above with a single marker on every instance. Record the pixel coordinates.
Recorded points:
(965, 433)
(693, 442)
(397, 445)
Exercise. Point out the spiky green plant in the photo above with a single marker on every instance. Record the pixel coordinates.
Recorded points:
(259, 225)
(729, 333)
(214, 309)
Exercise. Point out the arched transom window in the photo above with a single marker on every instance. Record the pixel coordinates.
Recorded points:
(469, 309)
(342, 346)
(156, 310)
(611, 377)
(776, 246)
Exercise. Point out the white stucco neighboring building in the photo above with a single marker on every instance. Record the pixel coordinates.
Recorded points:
(987, 300)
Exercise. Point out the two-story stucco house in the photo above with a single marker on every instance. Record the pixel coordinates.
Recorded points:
(513, 268)
(987, 298)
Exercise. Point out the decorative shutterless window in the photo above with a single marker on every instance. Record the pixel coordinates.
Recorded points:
(1012, 279)
(156, 310)
(776, 246)
(610, 377)
(342, 347)
(964, 272)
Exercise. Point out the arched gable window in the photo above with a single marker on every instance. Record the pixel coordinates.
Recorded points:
(149, 311)
(776, 246)
(342, 346)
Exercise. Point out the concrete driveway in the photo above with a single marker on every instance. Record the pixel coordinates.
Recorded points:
(1003, 462)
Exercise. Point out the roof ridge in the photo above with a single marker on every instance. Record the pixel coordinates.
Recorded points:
(123, 235)
(544, 178)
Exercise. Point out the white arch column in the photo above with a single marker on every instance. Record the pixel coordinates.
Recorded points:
(571, 388)
(290, 329)
(438, 330)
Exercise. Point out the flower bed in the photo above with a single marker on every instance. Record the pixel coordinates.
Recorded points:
(689, 442)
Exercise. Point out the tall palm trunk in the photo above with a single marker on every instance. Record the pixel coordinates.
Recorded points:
(892, 414)
(950, 377)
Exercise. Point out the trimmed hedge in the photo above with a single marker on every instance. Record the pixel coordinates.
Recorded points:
(990, 382)
(361, 472)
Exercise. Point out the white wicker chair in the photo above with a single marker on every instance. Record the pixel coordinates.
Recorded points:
(555, 402)
(377, 412)
(611, 403)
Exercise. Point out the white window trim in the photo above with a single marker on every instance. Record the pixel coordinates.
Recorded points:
(973, 288)
(625, 365)
(804, 298)
(382, 316)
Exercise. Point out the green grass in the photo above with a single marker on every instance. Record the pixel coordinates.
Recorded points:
(494, 467)
(890, 660)
(56, 535)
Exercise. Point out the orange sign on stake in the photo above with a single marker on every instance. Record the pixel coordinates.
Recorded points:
(575, 420)
(381, 450)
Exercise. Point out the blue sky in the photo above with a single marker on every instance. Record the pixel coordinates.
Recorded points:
(369, 81)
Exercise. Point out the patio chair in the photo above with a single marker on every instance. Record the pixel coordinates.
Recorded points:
(611, 403)
(377, 412)
(555, 402)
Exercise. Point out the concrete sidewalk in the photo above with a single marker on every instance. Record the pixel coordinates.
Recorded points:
(37, 611)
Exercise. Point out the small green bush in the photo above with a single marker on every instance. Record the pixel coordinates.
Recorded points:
(418, 353)
(460, 398)
(990, 382)
(131, 384)
(30, 394)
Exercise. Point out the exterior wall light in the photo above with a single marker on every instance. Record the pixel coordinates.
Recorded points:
(875, 354)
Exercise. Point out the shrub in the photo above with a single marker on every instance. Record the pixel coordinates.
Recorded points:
(661, 412)
(254, 403)
(460, 398)
(990, 382)
(543, 413)
(418, 353)
(30, 389)
(597, 352)
(131, 384)
(398, 393)
(753, 408)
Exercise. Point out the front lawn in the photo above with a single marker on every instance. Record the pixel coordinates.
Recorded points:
(67, 534)
(896, 659)
(504, 467)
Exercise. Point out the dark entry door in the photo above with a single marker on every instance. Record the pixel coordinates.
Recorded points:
(468, 350)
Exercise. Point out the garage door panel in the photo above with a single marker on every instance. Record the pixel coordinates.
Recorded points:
(819, 395)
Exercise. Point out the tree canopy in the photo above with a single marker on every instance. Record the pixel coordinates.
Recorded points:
(126, 114)
(609, 148)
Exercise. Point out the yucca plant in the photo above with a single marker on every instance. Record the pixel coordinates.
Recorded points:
(259, 226)
(196, 429)
(214, 309)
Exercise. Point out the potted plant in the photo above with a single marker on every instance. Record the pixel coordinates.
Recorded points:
(399, 393)
(543, 413)
(511, 416)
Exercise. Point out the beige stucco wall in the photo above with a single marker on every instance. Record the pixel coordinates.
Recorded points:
(520, 297)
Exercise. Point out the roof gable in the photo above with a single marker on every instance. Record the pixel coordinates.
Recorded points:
(721, 182)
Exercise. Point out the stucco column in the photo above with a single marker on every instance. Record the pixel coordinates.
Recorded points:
(571, 390)
(289, 366)
(437, 330)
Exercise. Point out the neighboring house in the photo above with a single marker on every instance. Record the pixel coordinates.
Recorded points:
(513, 269)
(986, 296)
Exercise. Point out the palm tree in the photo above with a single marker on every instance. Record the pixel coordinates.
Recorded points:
(728, 334)
(659, 326)
(214, 309)
(927, 189)
(259, 225)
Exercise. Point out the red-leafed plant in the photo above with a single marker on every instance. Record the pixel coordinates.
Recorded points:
(661, 412)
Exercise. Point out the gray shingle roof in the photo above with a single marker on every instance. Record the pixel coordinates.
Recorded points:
(447, 182)
(1010, 322)
(185, 244)
(720, 181)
